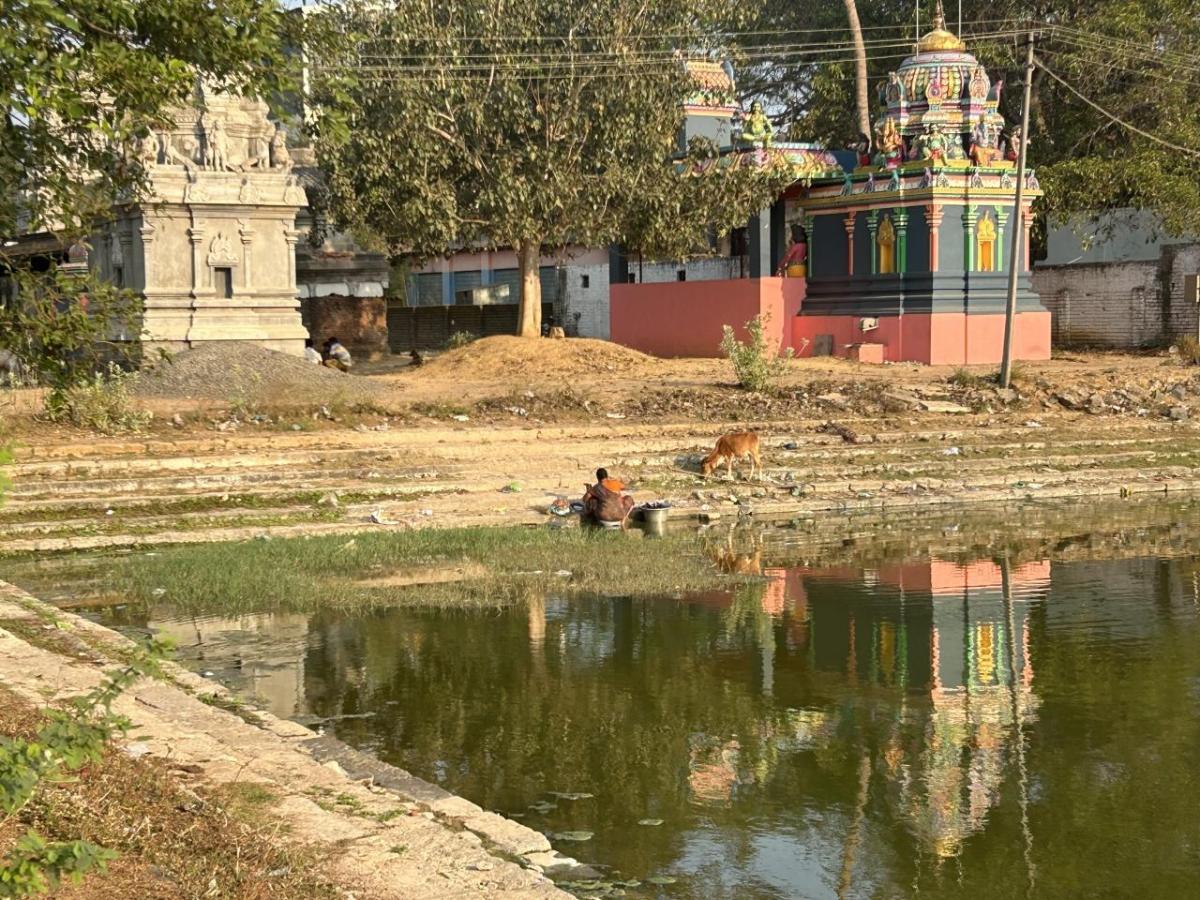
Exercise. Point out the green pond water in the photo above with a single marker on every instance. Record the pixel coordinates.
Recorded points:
(966, 727)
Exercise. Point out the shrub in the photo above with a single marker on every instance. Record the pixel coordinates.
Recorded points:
(101, 403)
(1188, 348)
(69, 740)
(757, 368)
(460, 339)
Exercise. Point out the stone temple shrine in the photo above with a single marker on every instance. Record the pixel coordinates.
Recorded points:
(911, 249)
(212, 248)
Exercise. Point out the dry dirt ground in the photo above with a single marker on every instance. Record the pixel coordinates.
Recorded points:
(492, 433)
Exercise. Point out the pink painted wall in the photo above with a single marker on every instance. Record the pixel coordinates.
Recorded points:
(941, 339)
(685, 318)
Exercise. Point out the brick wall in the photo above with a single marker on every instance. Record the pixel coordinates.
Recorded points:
(1125, 305)
(359, 322)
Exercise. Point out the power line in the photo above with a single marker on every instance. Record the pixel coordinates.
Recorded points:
(1100, 109)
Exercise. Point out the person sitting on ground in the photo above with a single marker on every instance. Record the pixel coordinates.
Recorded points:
(310, 352)
(613, 484)
(337, 356)
(606, 506)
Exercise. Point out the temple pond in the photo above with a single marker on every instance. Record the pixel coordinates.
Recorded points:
(974, 726)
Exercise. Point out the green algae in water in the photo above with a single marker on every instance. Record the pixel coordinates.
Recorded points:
(572, 836)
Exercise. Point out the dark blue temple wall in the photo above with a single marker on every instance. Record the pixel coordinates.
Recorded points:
(952, 245)
(862, 244)
(827, 251)
(916, 257)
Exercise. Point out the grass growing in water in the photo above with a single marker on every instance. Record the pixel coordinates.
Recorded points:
(498, 565)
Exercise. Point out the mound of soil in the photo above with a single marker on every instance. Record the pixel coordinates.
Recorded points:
(504, 356)
(236, 371)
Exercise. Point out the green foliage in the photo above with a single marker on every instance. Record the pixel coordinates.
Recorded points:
(440, 126)
(83, 78)
(757, 366)
(461, 339)
(70, 739)
(102, 403)
(65, 326)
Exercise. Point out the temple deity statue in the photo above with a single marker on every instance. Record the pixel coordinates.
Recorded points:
(1014, 144)
(984, 151)
(216, 156)
(147, 149)
(933, 145)
(281, 158)
(891, 145)
(758, 130)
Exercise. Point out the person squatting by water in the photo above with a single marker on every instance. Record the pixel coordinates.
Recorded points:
(604, 502)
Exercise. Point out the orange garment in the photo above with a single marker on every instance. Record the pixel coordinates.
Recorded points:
(613, 484)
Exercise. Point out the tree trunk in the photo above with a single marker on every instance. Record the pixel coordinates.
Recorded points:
(529, 322)
(860, 69)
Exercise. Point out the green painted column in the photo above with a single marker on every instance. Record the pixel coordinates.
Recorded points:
(1001, 219)
(900, 217)
(872, 228)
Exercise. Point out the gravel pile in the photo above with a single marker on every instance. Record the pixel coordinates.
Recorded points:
(501, 356)
(233, 370)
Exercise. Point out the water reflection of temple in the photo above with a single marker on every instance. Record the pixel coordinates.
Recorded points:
(934, 653)
(950, 641)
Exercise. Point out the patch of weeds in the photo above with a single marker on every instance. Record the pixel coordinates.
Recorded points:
(351, 803)
(965, 378)
(249, 800)
(388, 814)
(460, 339)
(1188, 349)
(103, 403)
(398, 849)
(439, 410)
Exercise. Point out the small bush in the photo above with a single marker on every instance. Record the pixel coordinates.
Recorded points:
(966, 379)
(1188, 348)
(101, 403)
(461, 339)
(757, 368)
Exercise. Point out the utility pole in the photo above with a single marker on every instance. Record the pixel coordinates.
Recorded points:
(1018, 235)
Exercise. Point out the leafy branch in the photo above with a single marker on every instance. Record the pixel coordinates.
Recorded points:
(70, 739)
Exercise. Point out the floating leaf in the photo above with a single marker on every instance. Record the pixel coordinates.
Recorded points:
(650, 821)
(562, 795)
(661, 879)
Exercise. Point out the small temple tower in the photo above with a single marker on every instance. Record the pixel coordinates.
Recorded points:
(212, 249)
(909, 253)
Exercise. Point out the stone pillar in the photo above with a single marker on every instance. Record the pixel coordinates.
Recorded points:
(849, 223)
(246, 233)
(778, 235)
(933, 216)
(196, 237)
(758, 234)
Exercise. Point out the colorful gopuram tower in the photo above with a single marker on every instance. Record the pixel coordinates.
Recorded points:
(910, 252)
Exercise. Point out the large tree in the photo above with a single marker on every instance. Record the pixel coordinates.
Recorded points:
(1134, 59)
(82, 79)
(524, 124)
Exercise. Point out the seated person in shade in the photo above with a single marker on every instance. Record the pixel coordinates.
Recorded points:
(310, 352)
(337, 356)
(795, 263)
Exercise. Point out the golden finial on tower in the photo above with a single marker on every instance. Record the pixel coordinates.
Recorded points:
(939, 38)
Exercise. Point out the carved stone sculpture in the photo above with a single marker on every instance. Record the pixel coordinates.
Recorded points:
(758, 130)
(281, 158)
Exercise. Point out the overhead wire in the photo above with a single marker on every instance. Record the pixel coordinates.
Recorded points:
(1117, 119)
